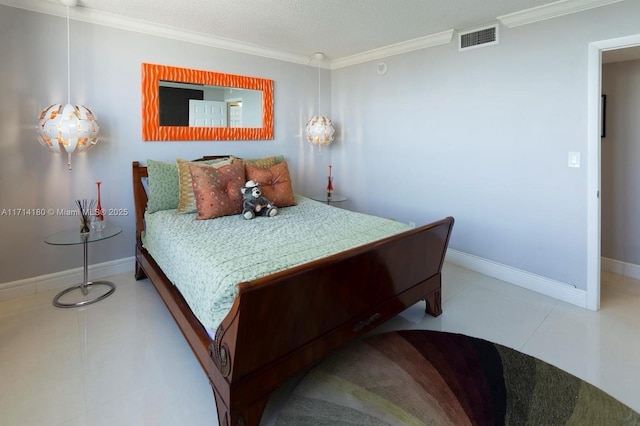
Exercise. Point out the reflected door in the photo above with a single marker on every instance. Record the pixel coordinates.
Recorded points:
(207, 113)
(235, 115)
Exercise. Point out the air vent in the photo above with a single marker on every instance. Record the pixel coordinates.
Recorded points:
(478, 38)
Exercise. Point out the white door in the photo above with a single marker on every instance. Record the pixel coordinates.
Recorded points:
(207, 113)
(235, 115)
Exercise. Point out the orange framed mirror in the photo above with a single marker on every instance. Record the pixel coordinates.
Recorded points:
(258, 116)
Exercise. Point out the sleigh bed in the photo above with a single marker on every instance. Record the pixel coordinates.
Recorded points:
(281, 323)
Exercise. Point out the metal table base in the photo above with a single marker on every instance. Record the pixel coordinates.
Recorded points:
(85, 286)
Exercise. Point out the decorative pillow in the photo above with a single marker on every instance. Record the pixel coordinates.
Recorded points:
(163, 186)
(216, 190)
(274, 182)
(186, 202)
(261, 163)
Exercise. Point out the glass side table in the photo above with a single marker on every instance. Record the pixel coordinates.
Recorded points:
(71, 237)
(326, 199)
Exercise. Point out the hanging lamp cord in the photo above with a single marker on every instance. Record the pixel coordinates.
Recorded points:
(68, 77)
(319, 90)
(68, 61)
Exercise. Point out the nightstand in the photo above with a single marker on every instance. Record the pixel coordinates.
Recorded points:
(75, 237)
(335, 198)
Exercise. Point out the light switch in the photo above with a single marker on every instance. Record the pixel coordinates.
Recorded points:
(574, 159)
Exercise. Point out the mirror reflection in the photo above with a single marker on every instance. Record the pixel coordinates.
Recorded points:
(201, 105)
(244, 105)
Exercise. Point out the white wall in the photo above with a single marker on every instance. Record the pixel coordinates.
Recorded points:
(106, 77)
(621, 163)
(484, 136)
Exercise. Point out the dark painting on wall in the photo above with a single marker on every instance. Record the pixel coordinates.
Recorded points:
(174, 105)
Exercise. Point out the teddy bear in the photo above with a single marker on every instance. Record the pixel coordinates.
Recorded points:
(254, 204)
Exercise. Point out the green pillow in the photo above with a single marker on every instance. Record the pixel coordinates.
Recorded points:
(163, 186)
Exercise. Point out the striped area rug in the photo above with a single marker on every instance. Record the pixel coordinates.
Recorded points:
(421, 377)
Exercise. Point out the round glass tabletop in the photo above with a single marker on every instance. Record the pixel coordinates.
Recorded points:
(74, 236)
(333, 199)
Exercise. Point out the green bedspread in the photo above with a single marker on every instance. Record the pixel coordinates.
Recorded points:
(205, 259)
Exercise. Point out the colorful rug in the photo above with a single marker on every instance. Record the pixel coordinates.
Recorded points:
(421, 377)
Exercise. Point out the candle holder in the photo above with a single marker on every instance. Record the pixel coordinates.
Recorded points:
(329, 185)
(97, 220)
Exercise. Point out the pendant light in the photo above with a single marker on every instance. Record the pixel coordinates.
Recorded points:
(319, 129)
(69, 128)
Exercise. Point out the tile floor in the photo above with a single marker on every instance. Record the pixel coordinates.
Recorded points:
(123, 361)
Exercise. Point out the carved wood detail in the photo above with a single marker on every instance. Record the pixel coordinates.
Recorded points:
(219, 353)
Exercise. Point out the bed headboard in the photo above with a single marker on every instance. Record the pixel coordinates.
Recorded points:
(139, 196)
(140, 192)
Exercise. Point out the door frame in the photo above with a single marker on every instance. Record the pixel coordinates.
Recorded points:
(594, 91)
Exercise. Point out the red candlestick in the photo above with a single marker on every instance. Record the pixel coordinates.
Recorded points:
(99, 214)
(329, 184)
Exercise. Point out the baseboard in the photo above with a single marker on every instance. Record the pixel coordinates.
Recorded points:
(64, 279)
(621, 268)
(539, 284)
(533, 282)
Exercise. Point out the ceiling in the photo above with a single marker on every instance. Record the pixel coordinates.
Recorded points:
(347, 31)
(339, 28)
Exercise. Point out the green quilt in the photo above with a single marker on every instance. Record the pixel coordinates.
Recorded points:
(205, 259)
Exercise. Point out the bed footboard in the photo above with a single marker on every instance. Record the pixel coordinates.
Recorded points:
(284, 323)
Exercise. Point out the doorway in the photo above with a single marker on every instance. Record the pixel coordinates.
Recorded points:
(207, 113)
(594, 111)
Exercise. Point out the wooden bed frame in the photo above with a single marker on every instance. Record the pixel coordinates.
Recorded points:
(283, 323)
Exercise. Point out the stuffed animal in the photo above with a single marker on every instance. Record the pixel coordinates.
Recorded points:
(254, 204)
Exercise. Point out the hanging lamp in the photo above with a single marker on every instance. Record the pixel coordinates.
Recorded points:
(69, 128)
(319, 130)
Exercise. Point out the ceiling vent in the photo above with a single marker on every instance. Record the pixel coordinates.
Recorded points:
(478, 38)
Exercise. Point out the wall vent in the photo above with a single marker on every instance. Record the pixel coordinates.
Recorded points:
(478, 38)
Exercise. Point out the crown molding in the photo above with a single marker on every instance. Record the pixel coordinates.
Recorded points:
(528, 16)
(552, 10)
(53, 7)
(432, 40)
(136, 25)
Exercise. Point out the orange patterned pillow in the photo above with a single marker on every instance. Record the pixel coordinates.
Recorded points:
(274, 182)
(186, 202)
(217, 189)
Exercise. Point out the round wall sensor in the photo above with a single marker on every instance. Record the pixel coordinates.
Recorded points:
(381, 68)
(69, 3)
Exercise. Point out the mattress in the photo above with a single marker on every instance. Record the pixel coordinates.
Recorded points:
(206, 259)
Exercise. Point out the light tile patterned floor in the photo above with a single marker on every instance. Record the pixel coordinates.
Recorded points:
(123, 361)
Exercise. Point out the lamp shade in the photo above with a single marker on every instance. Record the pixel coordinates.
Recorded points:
(319, 130)
(72, 128)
